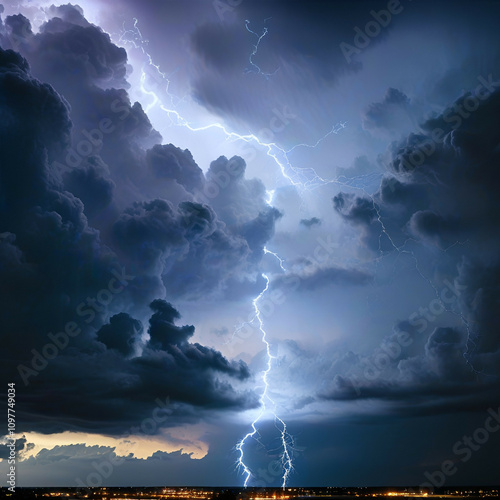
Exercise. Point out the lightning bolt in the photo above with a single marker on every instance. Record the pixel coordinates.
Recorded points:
(304, 178)
(255, 68)
(266, 402)
(264, 397)
(278, 258)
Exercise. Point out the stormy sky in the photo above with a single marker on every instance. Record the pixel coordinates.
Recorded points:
(213, 212)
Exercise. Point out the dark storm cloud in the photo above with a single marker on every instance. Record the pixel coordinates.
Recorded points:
(442, 195)
(84, 52)
(20, 444)
(302, 53)
(149, 233)
(184, 379)
(356, 210)
(322, 277)
(170, 162)
(437, 372)
(19, 29)
(480, 301)
(365, 214)
(290, 35)
(395, 113)
(313, 221)
(114, 165)
(72, 14)
(211, 43)
(188, 246)
(80, 61)
(89, 199)
(162, 330)
(108, 169)
(58, 257)
(91, 184)
(260, 229)
(236, 199)
(120, 333)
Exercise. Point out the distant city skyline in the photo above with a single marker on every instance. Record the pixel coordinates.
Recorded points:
(261, 493)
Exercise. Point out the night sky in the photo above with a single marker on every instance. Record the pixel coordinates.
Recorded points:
(214, 213)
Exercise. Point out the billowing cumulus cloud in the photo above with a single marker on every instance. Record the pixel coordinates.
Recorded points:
(96, 213)
(162, 330)
(120, 333)
(441, 196)
(170, 162)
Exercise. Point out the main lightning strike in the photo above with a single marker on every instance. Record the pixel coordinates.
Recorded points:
(266, 403)
(264, 397)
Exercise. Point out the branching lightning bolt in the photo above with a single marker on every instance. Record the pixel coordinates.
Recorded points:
(266, 403)
(264, 397)
(278, 258)
(303, 179)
